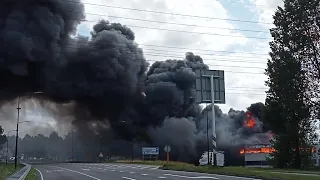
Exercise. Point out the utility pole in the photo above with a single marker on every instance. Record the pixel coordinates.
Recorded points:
(17, 136)
(208, 146)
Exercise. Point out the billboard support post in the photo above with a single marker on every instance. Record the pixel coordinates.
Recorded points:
(208, 83)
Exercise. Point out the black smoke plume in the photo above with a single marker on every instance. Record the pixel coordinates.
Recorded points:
(103, 81)
(102, 74)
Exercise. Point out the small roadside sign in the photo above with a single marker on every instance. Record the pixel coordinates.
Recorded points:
(101, 155)
(167, 148)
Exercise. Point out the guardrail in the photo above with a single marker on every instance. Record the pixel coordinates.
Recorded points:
(20, 174)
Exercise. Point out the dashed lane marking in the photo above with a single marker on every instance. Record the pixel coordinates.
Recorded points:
(78, 172)
(189, 177)
(128, 178)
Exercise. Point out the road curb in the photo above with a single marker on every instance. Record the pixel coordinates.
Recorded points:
(21, 173)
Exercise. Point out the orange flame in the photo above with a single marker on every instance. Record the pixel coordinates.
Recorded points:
(266, 150)
(269, 150)
(250, 123)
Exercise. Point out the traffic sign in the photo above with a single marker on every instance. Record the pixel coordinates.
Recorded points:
(101, 155)
(203, 86)
(167, 148)
(150, 150)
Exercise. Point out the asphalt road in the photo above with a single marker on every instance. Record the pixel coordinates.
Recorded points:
(71, 171)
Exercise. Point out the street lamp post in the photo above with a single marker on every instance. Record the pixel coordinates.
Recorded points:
(17, 131)
(8, 145)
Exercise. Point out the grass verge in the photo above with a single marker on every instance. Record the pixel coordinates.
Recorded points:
(241, 171)
(312, 171)
(6, 170)
(32, 175)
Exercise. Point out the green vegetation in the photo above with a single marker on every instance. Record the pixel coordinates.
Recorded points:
(262, 173)
(7, 170)
(292, 70)
(32, 175)
(241, 171)
(3, 138)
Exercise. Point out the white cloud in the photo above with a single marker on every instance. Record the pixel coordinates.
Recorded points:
(266, 10)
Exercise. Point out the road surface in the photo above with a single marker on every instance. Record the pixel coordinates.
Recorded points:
(83, 171)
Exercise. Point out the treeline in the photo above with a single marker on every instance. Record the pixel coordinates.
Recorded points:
(46, 147)
(72, 147)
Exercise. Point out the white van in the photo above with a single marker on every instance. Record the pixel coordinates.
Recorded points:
(204, 158)
(219, 158)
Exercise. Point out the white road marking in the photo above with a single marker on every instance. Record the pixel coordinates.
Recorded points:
(120, 171)
(128, 178)
(194, 177)
(161, 177)
(41, 176)
(131, 172)
(78, 172)
(113, 170)
(144, 174)
(85, 169)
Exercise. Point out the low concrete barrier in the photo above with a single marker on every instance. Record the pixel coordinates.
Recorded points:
(21, 173)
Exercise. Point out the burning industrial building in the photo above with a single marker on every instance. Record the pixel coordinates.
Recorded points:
(105, 83)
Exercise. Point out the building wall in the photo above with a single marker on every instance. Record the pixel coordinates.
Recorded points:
(256, 160)
(255, 157)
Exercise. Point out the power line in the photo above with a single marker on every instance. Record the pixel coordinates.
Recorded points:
(217, 64)
(263, 94)
(212, 34)
(205, 59)
(73, 46)
(251, 4)
(168, 13)
(256, 88)
(172, 47)
(202, 54)
(180, 31)
(180, 24)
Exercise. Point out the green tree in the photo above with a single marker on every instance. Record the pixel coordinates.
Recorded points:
(288, 107)
(3, 138)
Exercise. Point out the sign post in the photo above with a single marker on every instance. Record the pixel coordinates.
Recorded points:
(210, 88)
(167, 149)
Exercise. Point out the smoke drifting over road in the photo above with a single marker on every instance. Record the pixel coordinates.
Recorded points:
(104, 79)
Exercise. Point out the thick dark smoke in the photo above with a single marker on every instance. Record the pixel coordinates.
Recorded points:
(102, 75)
(104, 82)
